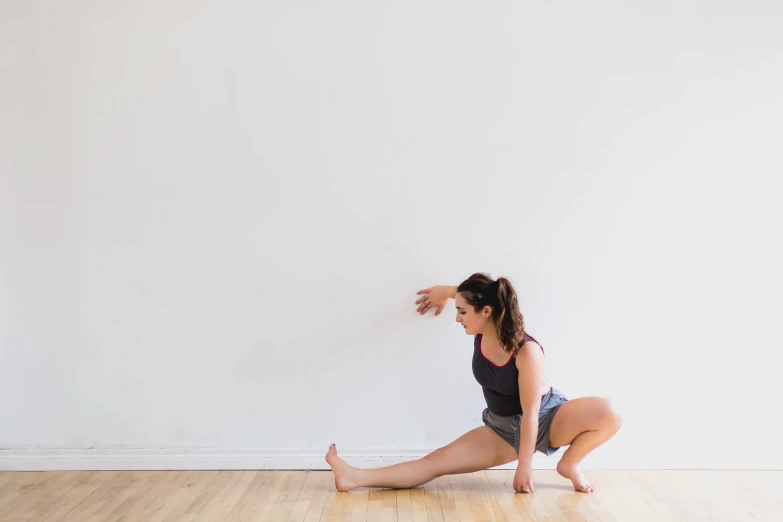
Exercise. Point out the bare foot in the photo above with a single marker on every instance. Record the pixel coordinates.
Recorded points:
(573, 474)
(344, 475)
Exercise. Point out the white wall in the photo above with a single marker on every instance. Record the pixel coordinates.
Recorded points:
(215, 217)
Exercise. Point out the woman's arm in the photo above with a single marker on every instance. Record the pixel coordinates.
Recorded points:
(530, 363)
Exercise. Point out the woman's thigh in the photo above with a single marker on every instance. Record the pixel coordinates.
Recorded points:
(577, 416)
(476, 450)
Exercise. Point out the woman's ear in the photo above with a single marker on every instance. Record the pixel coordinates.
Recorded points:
(487, 312)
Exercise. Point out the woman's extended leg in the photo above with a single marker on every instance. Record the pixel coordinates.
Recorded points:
(584, 424)
(478, 449)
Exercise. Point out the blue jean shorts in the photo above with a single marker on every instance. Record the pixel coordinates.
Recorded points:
(508, 427)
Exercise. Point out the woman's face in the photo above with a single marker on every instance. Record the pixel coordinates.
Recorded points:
(473, 322)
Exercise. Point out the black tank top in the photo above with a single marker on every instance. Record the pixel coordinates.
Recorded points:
(500, 383)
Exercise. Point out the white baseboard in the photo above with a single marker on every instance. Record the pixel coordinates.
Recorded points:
(208, 459)
(126, 458)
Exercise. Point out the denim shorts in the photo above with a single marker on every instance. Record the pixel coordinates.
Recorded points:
(508, 427)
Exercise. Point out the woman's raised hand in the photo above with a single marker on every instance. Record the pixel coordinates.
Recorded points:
(436, 296)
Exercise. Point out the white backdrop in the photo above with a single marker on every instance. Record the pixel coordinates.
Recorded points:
(215, 217)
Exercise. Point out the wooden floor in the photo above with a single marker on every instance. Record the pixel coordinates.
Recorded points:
(167, 496)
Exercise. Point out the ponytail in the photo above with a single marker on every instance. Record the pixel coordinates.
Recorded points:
(509, 323)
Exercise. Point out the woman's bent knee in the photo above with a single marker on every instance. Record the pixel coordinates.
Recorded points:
(610, 417)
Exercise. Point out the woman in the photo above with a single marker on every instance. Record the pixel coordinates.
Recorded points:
(524, 413)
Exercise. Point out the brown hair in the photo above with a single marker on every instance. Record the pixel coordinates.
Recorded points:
(479, 290)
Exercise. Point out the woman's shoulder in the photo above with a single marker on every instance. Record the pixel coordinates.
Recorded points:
(531, 341)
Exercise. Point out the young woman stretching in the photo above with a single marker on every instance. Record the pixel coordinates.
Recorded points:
(524, 413)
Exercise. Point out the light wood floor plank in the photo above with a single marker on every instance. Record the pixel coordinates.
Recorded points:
(461, 502)
(299, 496)
(107, 482)
(306, 494)
(40, 495)
(495, 510)
(560, 499)
(281, 484)
(291, 488)
(361, 498)
(324, 484)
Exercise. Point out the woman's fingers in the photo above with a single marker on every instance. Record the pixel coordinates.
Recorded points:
(425, 302)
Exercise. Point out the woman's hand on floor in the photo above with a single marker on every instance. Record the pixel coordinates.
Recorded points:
(523, 479)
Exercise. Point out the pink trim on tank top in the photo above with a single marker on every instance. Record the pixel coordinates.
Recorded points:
(481, 337)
